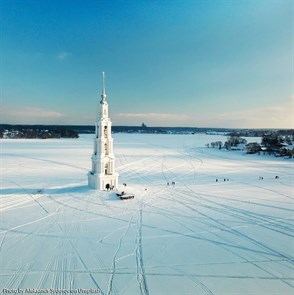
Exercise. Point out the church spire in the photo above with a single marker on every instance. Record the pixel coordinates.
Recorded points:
(103, 95)
(103, 174)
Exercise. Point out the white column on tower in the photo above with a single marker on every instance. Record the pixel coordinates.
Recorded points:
(103, 174)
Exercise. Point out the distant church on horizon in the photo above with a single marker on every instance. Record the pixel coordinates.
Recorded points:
(103, 174)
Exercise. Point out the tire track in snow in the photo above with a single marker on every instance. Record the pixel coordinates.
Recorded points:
(49, 161)
(32, 197)
(267, 189)
(254, 263)
(73, 274)
(185, 274)
(114, 217)
(80, 259)
(114, 260)
(242, 257)
(15, 278)
(141, 277)
(46, 273)
(230, 229)
(25, 234)
(76, 229)
(250, 217)
(277, 225)
(196, 281)
(56, 274)
(60, 281)
(256, 166)
(238, 233)
(232, 200)
(24, 275)
(255, 218)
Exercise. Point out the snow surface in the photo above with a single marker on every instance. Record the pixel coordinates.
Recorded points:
(196, 237)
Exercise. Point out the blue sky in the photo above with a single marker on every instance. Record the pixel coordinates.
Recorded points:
(168, 63)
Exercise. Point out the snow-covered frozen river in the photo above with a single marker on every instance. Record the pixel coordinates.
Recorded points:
(198, 236)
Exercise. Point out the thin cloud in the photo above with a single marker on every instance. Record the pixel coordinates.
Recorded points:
(275, 116)
(157, 116)
(62, 55)
(27, 115)
(154, 119)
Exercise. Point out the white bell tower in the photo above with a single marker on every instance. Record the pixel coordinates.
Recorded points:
(103, 174)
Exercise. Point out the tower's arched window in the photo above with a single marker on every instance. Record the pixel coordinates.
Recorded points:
(106, 149)
(106, 169)
(105, 131)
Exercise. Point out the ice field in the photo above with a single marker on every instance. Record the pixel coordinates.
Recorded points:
(198, 236)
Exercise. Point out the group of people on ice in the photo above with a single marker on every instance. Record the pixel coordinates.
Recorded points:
(276, 177)
(225, 179)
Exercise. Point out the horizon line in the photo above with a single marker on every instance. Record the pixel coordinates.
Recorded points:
(195, 127)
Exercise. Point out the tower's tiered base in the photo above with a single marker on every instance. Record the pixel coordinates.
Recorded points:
(101, 181)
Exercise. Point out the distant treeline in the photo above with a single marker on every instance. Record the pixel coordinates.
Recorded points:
(279, 144)
(84, 129)
(42, 132)
(56, 131)
(260, 132)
